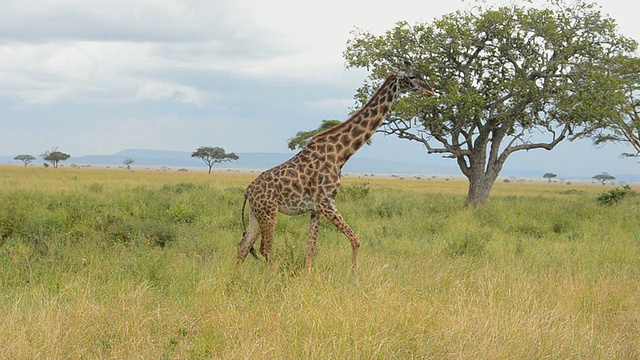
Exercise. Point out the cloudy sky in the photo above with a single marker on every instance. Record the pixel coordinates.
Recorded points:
(101, 76)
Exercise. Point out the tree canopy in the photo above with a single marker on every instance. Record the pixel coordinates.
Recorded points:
(25, 158)
(302, 137)
(549, 176)
(507, 79)
(127, 163)
(213, 155)
(54, 157)
(625, 129)
(603, 177)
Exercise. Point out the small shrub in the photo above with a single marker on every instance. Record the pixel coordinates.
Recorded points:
(96, 188)
(471, 244)
(179, 187)
(356, 191)
(386, 211)
(529, 229)
(572, 192)
(614, 196)
(149, 232)
(562, 225)
(158, 233)
(183, 213)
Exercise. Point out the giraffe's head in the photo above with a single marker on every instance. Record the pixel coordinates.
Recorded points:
(411, 80)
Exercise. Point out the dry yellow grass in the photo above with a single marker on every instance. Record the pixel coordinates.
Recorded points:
(537, 273)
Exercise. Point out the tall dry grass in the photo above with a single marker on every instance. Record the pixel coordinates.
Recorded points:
(115, 264)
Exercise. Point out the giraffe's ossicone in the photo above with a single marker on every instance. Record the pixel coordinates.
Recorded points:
(310, 180)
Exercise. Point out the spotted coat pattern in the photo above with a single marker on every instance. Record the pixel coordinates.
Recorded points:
(310, 180)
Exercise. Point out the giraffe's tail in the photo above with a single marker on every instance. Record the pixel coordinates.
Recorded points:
(244, 224)
(244, 228)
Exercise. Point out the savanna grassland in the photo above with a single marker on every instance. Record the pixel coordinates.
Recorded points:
(98, 264)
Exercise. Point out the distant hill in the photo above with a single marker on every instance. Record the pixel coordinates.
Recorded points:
(258, 161)
(261, 161)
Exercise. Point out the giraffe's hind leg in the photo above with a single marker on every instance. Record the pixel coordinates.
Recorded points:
(331, 212)
(268, 228)
(314, 226)
(248, 239)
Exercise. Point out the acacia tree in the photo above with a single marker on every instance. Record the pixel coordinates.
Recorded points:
(625, 129)
(507, 79)
(603, 177)
(213, 155)
(54, 156)
(302, 137)
(128, 163)
(549, 176)
(25, 158)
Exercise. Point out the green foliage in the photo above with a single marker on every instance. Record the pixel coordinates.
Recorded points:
(572, 192)
(142, 232)
(603, 177)
(54, 157)
(500, 72)
(625, 129)
(25, 158)
(470, 244)
(614, 196)
(180, 187)
(302, 137)
(133, 217)
(183, 213)
(128, 163)
(355, 191)
(213, 155)
(549, 176)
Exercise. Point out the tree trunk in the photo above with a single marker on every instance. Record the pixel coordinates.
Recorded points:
(481, 174)
(480, 186)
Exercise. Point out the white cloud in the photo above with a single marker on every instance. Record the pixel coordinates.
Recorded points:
(330, 105)
(76, 51)
(158, 91)
(109, 20)
(99, 76)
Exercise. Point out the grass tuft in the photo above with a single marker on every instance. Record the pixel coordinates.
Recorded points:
(117, 264)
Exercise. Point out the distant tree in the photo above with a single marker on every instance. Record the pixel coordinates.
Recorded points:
(603, 177)
(25, 158)
(213, 155)
(549, 176)
(54, 156)
(302, 137)
(128, 163)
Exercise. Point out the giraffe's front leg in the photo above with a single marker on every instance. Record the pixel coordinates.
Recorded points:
(314, 226)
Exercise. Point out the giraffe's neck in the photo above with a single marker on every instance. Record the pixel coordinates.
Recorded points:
(346, 138)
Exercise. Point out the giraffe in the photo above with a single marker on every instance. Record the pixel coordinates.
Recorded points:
(310, 180)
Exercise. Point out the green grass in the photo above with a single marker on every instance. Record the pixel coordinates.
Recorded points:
(115, 264)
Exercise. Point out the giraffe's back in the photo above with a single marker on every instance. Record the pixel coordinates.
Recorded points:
(294, 186)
